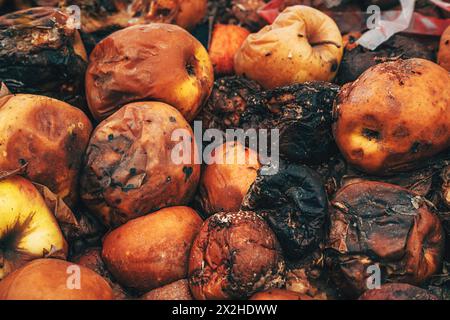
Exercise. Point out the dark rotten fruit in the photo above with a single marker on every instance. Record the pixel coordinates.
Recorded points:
(374, 223)
(357, 59)
(152, 251)
(46, 138)
(294, 203)
(146, 54)
(234, 256)
(129, 170)
(42, 53)
(103, 17)
(302, 113)
(379, 127)
(49, 279)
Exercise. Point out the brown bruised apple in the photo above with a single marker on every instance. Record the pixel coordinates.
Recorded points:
(225, 182)
(234, 256)
(47, 138)
(383, 225)
(129, 167)
(53, 279)
(151, 62)
(152, 251)
(28, 229)
(394, 116)
(444, 50)
(303, 44)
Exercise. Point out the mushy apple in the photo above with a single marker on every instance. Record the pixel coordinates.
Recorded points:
(154, 62)
(47, 138)
(395, 115)
(302, 44)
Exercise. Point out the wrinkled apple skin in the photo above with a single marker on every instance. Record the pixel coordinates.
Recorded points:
(158, 62)
(303, 44)
(393, 116)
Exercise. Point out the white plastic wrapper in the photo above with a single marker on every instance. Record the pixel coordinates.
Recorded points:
(386, 29)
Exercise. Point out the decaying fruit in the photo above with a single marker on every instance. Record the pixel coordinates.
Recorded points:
(225, 42)
(49, 279)
(28, 230)
(152, 251)
(302, 114)
(234, 256)
(141, 73)
(381, 129)
(129, 165)
(46, 138)
(42, 53)
(379, 226)
(303, 44)
(224, 183)
(357, 59)
(295, 205)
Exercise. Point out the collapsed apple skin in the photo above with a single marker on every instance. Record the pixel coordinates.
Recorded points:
(159, 62)
(48, 279)
(152, 251)
(444, 50)
(129, 168)
(28, 230)
(375, 223)
(47, 138)
(394, 116)
(303, 44)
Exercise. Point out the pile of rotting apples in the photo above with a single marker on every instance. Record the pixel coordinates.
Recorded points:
(357, 205)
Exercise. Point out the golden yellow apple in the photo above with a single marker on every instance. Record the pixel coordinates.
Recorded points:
(28, 230)
(394, 116)
(303, 44)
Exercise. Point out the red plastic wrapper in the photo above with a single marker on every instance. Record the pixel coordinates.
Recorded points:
(356, 21)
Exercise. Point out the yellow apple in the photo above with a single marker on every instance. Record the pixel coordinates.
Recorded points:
(28, 230)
